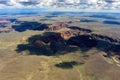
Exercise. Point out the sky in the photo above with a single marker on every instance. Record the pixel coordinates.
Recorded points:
(63, 5)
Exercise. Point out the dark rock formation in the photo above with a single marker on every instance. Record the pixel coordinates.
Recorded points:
(105, 38)
(47, 39)
(53, 41)
(80, 29)
(82, 41)
(47, 44)
(115, 50)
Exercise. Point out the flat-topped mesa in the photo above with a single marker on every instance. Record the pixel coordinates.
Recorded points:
(57, 26)
(58, 36)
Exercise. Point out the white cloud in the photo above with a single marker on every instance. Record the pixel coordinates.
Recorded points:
(62, 4)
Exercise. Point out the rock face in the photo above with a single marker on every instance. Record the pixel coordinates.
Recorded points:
(58, 36)
(70, 33)
(57, 25)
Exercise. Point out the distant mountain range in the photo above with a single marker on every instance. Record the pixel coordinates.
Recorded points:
(34, 11)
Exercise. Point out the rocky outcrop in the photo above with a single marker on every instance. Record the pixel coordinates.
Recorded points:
(71, 33)
(57, 26)
(75, 31)
(68, 34)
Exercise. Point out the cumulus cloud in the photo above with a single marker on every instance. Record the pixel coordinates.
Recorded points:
(62, 4)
